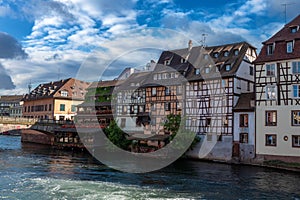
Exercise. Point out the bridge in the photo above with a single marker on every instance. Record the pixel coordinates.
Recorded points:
(13, 125)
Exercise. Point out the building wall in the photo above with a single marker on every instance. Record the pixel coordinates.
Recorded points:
(67, 113)
(282, 129)
(28, 112)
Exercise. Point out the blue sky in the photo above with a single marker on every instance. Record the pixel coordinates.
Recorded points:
(44, 40)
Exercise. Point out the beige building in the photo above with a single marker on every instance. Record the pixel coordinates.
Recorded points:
(278, 95)
(55, 100)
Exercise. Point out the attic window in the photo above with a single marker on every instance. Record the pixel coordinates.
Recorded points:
(207, 70)
(216, 55)
(228, 67)
(226, 53)
(64, 93)
(294, 29)
(236, 52)
(197, 71)
(270, 49)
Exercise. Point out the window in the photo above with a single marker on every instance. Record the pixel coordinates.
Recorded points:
(153, 107)
(216, 55)
(208, 121)
(62, 107)
(243, 120)
(251, 70)
(225, 121)
(167, 106)
(270, 49)
(296, 67)
(271, 118)
(296, 140)
(289, 47)
(243, 137)
(64, 93)
(270, 92)
(197, 71)
(236, 52)
(270, 69)
(25, 109)
(228, 67)
(226, 53)
(167, 91)
(270, 140)
(296, 118)
(248, 86)
(207, 70)
(224, 83)
(296, 91)
(179, 89)
(73, 108)
(178, 105)
(294, 29)
(50, 107)
(153, 91)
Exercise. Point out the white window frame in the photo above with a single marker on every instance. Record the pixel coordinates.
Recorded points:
(227, 67)
(271, 94)
(289, 46)
(270, 69)
(270, 49)
(296, 67)
(296, 90)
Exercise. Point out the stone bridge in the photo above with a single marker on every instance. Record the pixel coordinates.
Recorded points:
(13, 126)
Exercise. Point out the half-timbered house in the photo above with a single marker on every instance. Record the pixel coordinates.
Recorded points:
(278, 95)
(220, 75)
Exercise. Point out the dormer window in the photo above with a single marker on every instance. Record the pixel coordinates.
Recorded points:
(216, 55)
(270, 49)
(207, 70)
(294, 29)
(228, 67)
(289, 46)
(197, 71)
(64, 93)
(205, 56)
(226, 53)
(236, 52)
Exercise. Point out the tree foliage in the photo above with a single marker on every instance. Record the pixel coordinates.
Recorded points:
(117, 136)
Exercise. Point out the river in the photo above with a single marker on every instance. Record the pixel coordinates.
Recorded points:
(38, 173)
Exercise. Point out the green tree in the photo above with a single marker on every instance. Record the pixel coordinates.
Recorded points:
(175, 125)
(116, 136)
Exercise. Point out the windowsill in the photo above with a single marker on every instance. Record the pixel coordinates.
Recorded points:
(270, 145)
(295, 146)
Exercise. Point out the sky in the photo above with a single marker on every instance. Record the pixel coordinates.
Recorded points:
(48, 40)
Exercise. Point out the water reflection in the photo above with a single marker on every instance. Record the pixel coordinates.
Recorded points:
(29, 169)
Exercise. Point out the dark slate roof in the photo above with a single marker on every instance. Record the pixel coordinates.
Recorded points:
(196, 58)
(160, 68)
(280, 39)
(45, 90)
(53, 89)
(134, 81)
(245, 102)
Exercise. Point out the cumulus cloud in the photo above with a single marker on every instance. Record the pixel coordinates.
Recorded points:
(5, 80)
(10, 47)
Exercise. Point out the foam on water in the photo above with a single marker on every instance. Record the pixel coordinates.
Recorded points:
(50, 188)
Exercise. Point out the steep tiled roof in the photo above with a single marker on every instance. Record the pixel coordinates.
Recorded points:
(201, 57)
(134, 81)
(279, 40)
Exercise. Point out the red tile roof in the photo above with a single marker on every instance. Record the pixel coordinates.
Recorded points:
(280, 39)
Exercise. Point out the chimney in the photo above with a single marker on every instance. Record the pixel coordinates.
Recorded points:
(190, 44)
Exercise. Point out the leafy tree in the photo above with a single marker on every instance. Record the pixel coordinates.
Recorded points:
(116, 136)
(174, 126)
